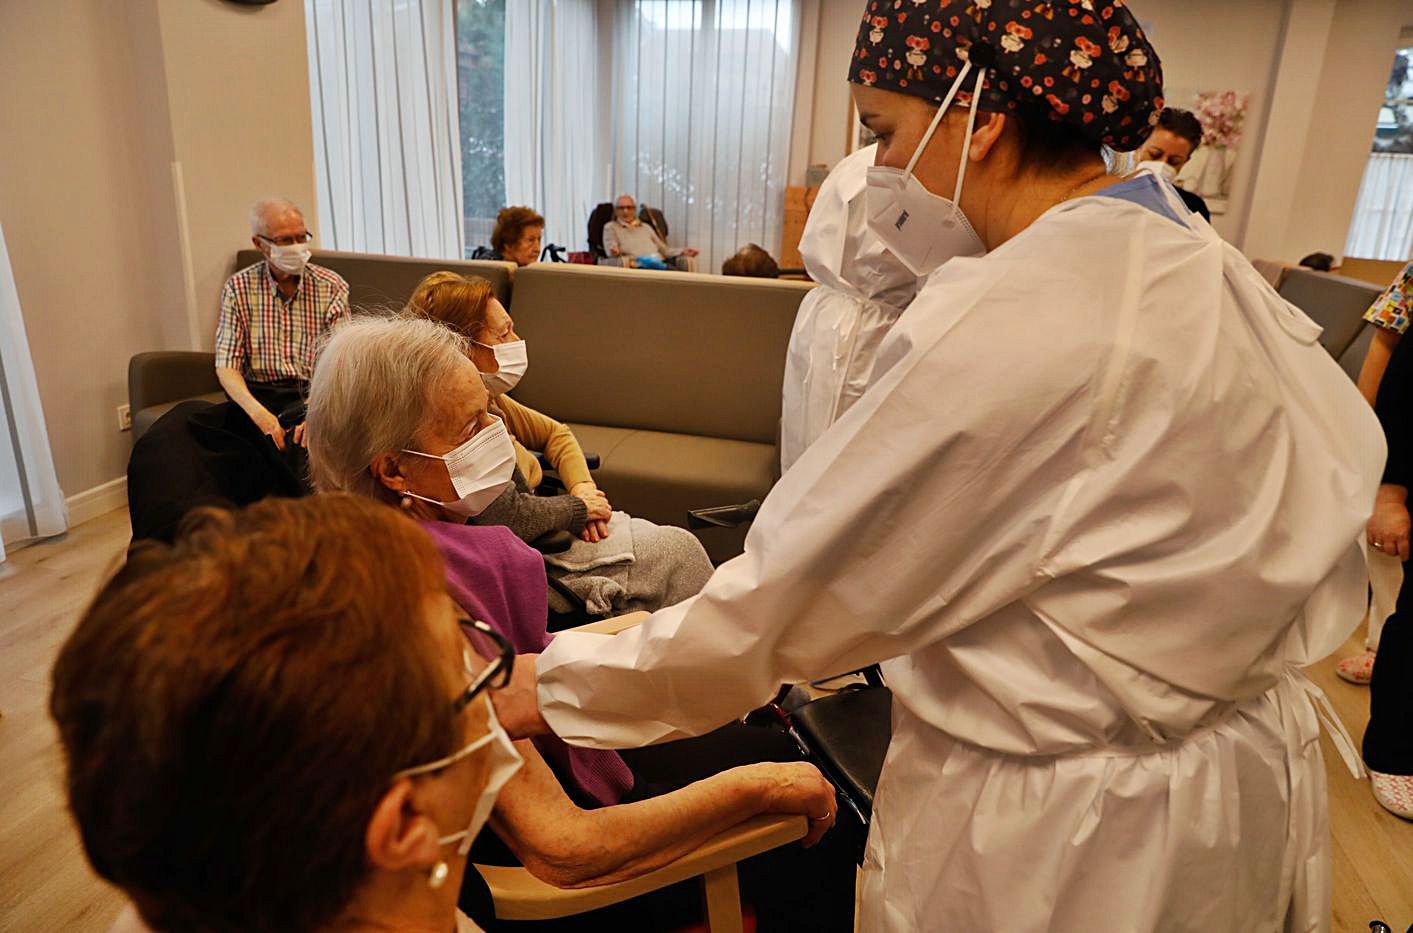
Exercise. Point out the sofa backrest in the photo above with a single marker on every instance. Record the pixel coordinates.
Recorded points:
(1334, 302)
(660, 351)
(376, 282)
(1352, 360)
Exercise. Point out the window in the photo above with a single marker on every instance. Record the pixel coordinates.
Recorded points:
(480, 73)
(1383, 217)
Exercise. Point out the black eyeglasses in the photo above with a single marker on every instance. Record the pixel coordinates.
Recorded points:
(494, 675)
(295, 240)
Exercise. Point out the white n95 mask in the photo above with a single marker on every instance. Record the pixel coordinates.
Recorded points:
(923, 229)
(290, 260)
(504, 761)
(1161, 169)
(480, 470)
(513, 358)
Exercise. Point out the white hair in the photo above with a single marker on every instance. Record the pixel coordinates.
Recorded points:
(371, 390)
(622, 196)
(264, 208)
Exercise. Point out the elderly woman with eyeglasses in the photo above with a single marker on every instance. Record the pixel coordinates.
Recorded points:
(269, 726)
(398, 414)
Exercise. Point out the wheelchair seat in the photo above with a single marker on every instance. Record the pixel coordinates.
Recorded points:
(848, 735)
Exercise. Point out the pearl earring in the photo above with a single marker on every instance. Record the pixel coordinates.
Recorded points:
(437, 878)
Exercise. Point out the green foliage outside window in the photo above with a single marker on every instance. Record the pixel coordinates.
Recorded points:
(480, 70)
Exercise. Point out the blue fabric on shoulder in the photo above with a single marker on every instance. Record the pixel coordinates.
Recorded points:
(1145, 190)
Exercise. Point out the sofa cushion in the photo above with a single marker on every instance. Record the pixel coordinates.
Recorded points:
(386, 282)
(144, 419)
(660, 476)
(673, 352)
(1334, 302)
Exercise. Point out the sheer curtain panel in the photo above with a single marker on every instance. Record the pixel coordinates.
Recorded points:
(704, 94)
(387, 147)
(31, 503)
(1383, 217)
(553, 101)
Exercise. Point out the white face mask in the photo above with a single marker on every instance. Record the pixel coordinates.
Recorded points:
(1161, 169)
(290, 260)
(503, 762)
(480, 470)
(513, 359)
(923, 229)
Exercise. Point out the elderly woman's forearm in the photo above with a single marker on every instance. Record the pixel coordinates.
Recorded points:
(622, 842)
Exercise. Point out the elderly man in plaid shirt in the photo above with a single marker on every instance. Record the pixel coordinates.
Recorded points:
(272, 317)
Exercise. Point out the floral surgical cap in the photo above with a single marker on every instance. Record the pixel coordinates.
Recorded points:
(1082, 62)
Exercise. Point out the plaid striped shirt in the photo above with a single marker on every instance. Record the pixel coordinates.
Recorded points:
(267, 339)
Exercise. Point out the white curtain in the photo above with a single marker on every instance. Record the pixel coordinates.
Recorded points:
(31, 503)
(553, 142)
(1383, 217)
(387, 147)
(704, 93)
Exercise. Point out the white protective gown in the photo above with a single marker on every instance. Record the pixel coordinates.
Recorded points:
(1097, 513)
(841, 323)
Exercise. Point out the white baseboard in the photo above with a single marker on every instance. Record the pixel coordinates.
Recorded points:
(100, 500)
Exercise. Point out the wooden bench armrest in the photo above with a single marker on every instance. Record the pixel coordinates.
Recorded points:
(519, 895)
(612, 626)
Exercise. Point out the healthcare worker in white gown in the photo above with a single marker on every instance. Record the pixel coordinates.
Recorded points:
(1103, 499)
(841, 323)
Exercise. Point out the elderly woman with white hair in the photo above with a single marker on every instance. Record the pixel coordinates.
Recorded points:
(404, 416)
(398, 413)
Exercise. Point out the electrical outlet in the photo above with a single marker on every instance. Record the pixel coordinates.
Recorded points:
(124, 418)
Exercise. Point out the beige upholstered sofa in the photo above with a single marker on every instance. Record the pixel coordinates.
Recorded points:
(672, 378)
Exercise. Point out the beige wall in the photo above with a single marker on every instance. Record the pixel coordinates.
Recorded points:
(98, 99)
(238, 95)
(73, 201)
(829, 113)
(1354, 73)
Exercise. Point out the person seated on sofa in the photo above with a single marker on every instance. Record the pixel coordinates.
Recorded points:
(753, 262)
(468, 305)
(273, 315)
(271, 699)
(407, 419)
(516, 237)
(627, 237)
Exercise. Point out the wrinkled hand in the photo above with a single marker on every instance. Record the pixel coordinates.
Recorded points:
(798, 787)
(270, 426)
(299, 435)
(691, 252)
(597, 529)
(599, 509)
(517, 705)
(1389, 527)
(615, 251)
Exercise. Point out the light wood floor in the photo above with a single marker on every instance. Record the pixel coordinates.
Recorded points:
(45, 883)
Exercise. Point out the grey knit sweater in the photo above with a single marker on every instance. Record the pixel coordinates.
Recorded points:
(531, 517)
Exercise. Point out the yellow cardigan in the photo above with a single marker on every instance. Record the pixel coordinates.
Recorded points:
(532, 431)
